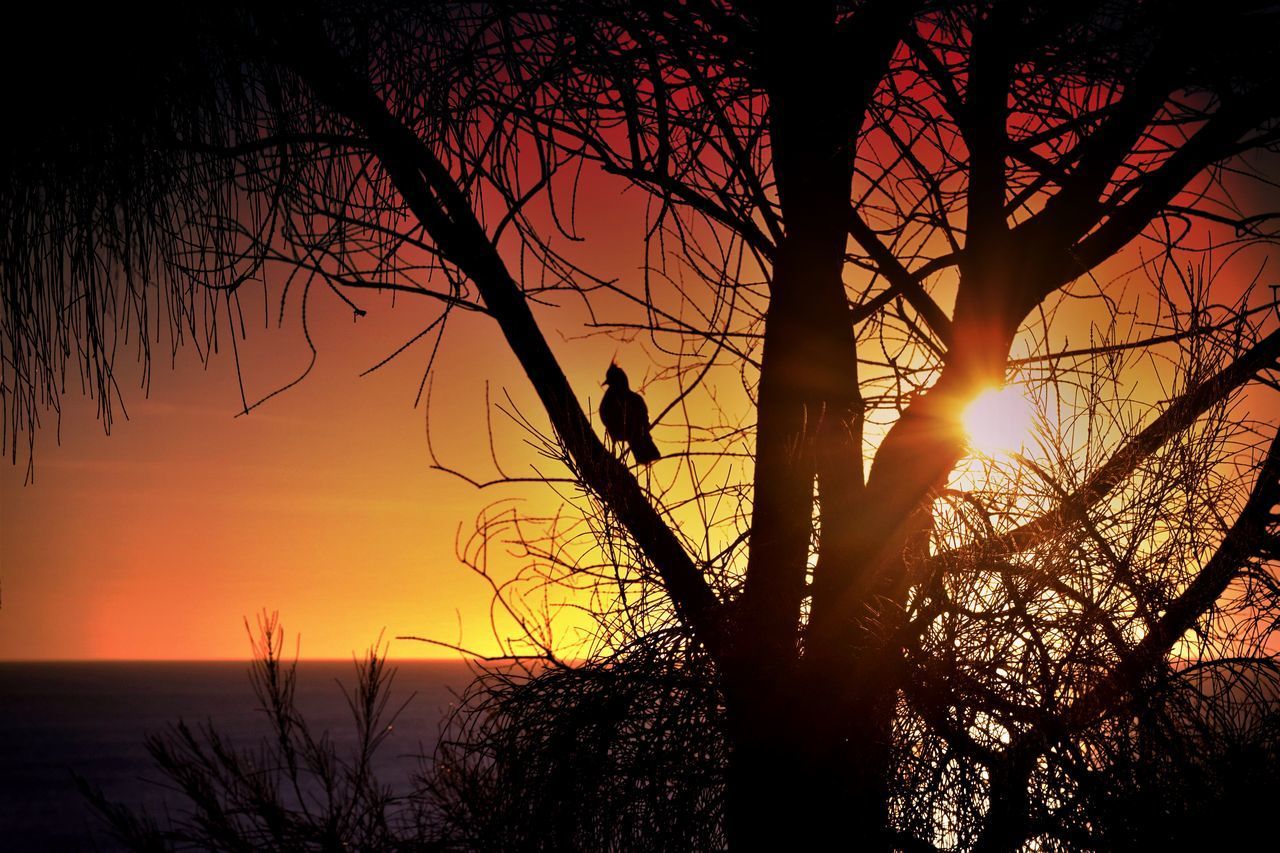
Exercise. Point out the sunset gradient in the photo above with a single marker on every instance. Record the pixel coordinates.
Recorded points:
(159, 540)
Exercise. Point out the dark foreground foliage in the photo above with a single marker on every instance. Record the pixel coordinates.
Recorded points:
(295, 790)
(623, 754)
(616, 755)
(628, 753)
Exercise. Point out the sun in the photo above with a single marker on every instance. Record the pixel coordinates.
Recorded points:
(999, 421)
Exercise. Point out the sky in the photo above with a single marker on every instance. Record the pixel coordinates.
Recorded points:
(156, 540)
(159, 540)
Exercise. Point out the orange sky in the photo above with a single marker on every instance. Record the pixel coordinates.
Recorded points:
(155, 542)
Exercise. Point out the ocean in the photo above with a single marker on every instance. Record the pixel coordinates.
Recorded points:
(91, 718)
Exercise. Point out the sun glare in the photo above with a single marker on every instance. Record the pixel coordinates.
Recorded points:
(999, 421)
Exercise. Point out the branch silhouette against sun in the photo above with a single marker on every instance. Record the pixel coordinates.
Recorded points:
(860, 221)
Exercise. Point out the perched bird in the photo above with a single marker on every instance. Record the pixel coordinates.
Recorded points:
(625, 416)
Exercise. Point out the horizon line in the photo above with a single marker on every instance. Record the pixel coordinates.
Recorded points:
(300, 659)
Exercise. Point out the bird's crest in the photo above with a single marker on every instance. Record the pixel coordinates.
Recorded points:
(615, 376)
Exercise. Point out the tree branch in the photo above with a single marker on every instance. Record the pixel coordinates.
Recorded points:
(444, 211)
(1241, 544)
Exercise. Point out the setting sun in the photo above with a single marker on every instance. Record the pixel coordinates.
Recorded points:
(999, 421)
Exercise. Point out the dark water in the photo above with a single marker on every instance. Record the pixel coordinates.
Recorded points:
(91, 718)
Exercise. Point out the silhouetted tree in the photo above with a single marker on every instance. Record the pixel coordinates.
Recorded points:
(869, 212)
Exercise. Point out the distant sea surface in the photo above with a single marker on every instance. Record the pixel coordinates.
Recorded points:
(91, 718)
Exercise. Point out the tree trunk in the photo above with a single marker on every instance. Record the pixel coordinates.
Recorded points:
(809, 744)
(809, 760)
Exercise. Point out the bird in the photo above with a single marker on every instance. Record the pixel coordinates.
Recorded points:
(626, 417)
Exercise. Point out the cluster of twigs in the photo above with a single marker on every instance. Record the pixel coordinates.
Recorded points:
(617, 754)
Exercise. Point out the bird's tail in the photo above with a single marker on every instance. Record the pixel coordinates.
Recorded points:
(644, 450)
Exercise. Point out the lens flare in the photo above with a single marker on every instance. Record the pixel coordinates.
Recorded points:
(999, 421)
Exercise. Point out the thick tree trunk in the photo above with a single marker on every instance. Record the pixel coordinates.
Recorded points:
(809, 745)
(809, 407)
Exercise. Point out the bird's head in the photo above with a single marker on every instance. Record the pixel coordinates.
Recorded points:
(615, 376)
